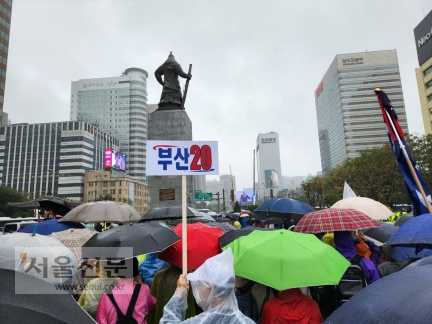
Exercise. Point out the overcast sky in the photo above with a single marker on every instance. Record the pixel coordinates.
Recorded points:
(256, 64)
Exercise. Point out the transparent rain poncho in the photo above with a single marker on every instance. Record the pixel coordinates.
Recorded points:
(213, 289)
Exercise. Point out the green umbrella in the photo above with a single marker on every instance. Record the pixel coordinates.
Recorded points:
(283, 259)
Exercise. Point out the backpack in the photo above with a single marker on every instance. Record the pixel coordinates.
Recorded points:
(128, 318)
(246, 301)
(353, 280)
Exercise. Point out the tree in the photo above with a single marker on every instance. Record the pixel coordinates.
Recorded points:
(251, 207)
(314, 191)
(9, 195)
(104, 197)
(237, 208)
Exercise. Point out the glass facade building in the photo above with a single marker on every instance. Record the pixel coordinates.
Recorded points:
(5, 21)
(51, 157)
(348, 114)
(423, 41)
(117, 106)
(268, 163)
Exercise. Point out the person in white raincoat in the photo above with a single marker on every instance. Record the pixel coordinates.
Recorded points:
(213, 288)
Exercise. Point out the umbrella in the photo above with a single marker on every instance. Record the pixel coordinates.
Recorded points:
(223, 220)
(244, 215)
(202, 244)
(207, 217)
(258, 216)
(50, 226)
(266, 205)
(287, 259)
(171, 212)
(29, 253)
(143, 238)
(334, 219)
(403, 219)
(27, 300)
(273, 221)
(60, 206)
(416, 231)
(225, 227)
(403, 297)
(370, 207)
(383, 233)
(282, 206)
(228, 237)
(102, 211)
(74, 239)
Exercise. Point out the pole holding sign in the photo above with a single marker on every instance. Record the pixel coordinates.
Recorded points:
(183, 158)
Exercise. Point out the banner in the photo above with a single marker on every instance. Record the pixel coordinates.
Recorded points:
(182, 158)
(348, 192)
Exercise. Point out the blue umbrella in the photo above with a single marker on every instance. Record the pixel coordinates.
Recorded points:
(285, 206)
(266, 205)
(50, 226)
(402, 253)
(403, 297)
(417, 232)
(382, 233)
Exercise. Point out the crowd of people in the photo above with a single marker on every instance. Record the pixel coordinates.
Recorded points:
(213, 294)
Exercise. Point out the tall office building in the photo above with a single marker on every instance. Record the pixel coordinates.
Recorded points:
(268, 163)
(348, 113)
(5, 21)
(423, 41)
(117, 106)
(51, 157)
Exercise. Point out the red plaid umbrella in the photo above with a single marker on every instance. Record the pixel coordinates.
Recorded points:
(202, 244)
(334, 219)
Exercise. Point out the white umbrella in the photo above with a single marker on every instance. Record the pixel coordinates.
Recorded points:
(370, 207)
(74, 239)
(41, 256)
(102, 211)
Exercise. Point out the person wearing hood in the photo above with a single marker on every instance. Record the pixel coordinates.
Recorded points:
(213, 288)
(345, 244)
(291, 306)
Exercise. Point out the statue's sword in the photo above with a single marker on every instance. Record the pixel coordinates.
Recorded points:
(186, 87)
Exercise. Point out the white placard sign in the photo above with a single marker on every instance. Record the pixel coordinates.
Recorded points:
(182, 158)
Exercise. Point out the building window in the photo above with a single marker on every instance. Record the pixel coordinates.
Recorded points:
(105, 183)
(119, 191)
(113, 183)
(112, 191)
(429, 84)
(430, 97)
(105, 192)
(428, 70)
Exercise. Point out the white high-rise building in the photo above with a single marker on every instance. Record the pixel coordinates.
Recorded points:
(118, 107)
(348, 114)
(268, 163)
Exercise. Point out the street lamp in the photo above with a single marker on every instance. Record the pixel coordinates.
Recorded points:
(49, 193)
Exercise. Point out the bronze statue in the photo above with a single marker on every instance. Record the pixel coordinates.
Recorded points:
(171, 97)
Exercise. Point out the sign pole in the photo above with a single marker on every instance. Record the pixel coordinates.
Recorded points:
(184, 226)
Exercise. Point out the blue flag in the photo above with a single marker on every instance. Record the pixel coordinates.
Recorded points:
(417, 201)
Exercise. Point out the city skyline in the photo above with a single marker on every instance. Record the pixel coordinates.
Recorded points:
(240, 66)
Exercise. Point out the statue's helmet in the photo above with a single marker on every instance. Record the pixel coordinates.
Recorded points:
(171, 58)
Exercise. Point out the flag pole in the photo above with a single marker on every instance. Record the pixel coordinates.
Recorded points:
(417, 181)
(184, 226)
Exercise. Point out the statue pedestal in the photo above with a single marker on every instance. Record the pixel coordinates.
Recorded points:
(169, 125)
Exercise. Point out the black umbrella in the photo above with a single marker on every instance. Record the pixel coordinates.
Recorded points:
(258, 216)
(60, 206)
(223, 220)
(403, 297)
(403, 219)
(171, 212)
(143, 238)
(228, 237)
(273, 221)
(382, 233)
(38, 302)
